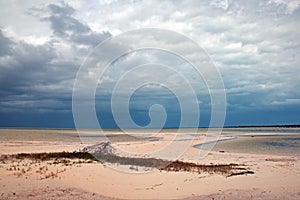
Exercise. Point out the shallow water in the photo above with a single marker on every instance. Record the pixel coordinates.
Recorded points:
(277, 145)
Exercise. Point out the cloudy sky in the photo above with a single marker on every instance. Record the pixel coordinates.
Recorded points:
(255, 45)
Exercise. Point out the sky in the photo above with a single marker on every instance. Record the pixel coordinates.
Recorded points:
(254, 45)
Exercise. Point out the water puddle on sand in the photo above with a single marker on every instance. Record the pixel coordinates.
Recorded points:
(277, 145)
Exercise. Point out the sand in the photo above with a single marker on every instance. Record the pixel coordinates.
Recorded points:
(276, 176)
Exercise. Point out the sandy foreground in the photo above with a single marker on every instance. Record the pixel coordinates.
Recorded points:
(275, 176)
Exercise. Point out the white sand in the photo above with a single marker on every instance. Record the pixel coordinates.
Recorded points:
(275, 177)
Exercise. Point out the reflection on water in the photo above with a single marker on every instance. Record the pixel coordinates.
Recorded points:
(291, 142)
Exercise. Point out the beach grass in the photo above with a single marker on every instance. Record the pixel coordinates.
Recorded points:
(231, 169)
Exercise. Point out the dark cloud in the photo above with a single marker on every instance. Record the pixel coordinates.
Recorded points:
(39, 78)
(25, 66)
(33, 79)
(5, 43)
(32, 83)
(64, 10)
(91, 39)
(64, 25)
(62, 22)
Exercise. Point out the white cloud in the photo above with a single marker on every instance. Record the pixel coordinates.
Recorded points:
(287, 102)
(289, 5)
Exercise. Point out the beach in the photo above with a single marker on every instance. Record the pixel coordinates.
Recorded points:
(269, 159)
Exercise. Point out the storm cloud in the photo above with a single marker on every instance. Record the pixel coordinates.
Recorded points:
(254, 44)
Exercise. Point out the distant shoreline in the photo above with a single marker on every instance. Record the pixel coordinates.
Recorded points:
(266, 126)
(107, 129)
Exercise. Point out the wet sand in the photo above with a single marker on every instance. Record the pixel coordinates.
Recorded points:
(274, 141)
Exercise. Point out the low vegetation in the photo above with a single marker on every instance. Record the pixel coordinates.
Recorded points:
(227, 170)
